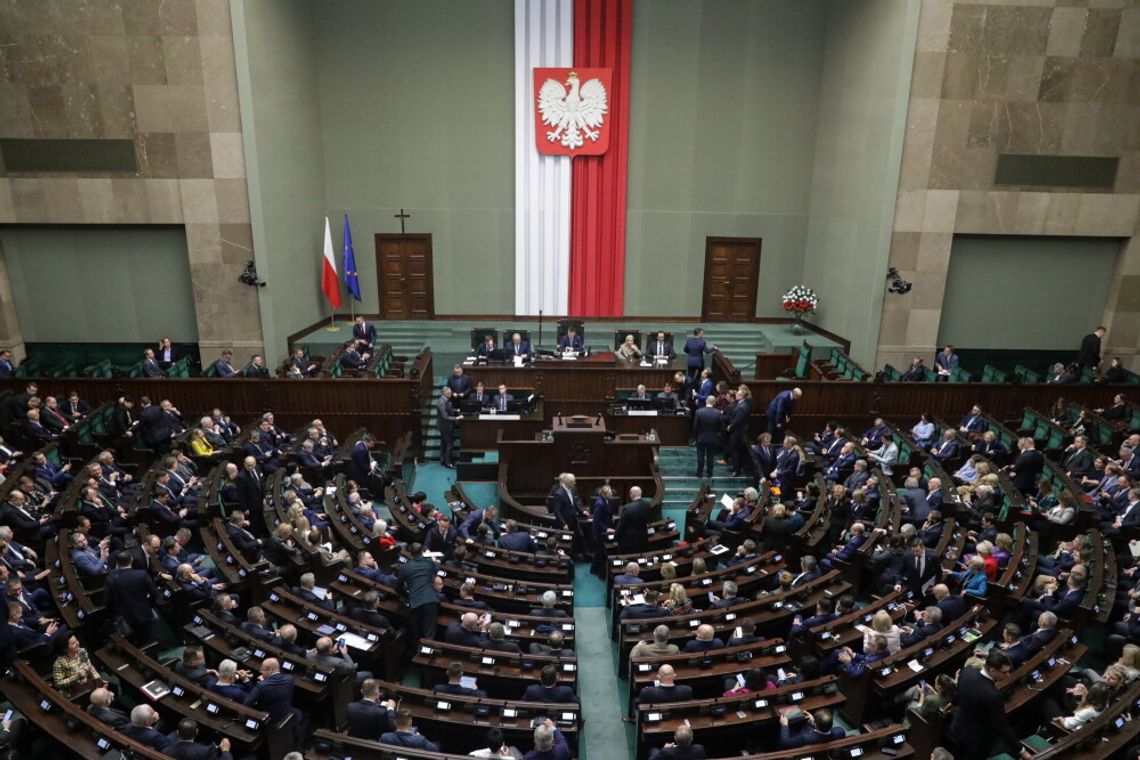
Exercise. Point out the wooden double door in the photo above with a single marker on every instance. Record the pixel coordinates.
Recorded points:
(404, 273)
(732, 273)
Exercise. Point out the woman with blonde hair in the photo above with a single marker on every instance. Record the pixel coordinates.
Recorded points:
(678, 602)
(668, 571)
(699, 566)
(628, 350)
(881, 625)
(985, 550)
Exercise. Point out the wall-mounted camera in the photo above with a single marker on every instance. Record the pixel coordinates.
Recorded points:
(249, 276)
(898, 284)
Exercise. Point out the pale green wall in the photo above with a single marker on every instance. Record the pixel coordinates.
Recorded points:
(868, 57)
(723, 102)
(1061, 285)
(76, 284)
(417, 111)
(277, 85)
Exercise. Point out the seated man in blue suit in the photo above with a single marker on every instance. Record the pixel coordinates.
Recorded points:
(974, 422)
(519, 347)
(816, 728)
(274, 694)
(517, 540)
(856, 537)
(928, 624)
(368, 717)
(367, 566)
(142, 730)
(824, 613)
(454, 683)
(571, 341)
(947, 448)
(1062, 602)
(406, 734)
(856, 665)
(548, 689)
(224, 367)
(1027, 646)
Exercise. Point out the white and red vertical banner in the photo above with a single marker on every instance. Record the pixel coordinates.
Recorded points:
(544, 37)
(572, 61)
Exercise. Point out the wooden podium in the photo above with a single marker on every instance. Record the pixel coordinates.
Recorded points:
(578, 445)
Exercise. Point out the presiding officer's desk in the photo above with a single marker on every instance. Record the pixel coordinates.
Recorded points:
(576, 386)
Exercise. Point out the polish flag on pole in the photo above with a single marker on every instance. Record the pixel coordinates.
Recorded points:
(330, 283)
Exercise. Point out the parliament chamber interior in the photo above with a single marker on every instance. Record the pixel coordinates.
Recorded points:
(552, 379)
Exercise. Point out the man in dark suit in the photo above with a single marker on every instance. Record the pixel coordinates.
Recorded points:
(254, 625)
(7, 366)
(1027, 646)
(130, 594)
(1061, 601)
(367, 717)
(1078, 461)
(695, 350)
(953, 607)
(100, 707)
(920, 569)
(516, 540)
(480, 399)
(1027, 467)
(1089, 355)
(406, 734)
(739, 415)
(681, 748)
(929, 623)
(417, 577)
(467, 632)
(256, 367)
(250, 487)
(184, 747)
(816, 728)
(763, 458)
(224, 365)
(156, 428)
(459, 383)
(660, 346)
(486, 348)
(352, 359)
(442, 538)
(548, 689)
(780, 410)
(274, 692)
(360, 463)
(150, 366)
(571, 341)
(916, 373)
(856, 537)
(708, 424)
(633, 523)
(665, 690)
(364, 332)
(519, 347)
(237, 529)
(446, 419)
(946, 449)
(980, 719)
(142, 730)
(454, 685)
(824, 613)
(564, 505)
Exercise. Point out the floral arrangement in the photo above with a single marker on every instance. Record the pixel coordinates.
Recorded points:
(800, 300)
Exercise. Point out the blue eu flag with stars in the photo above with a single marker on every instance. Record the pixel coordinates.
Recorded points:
(350, 280)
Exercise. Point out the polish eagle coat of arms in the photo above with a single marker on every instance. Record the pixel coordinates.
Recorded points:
(571, 109)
